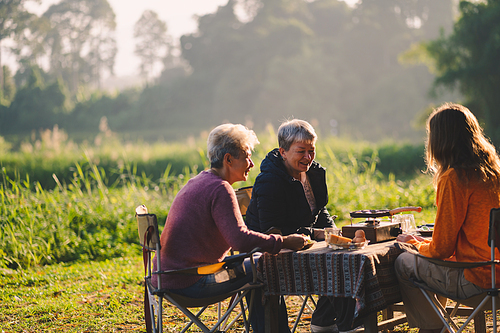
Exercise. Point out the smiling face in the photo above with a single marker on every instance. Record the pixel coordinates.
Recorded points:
(240, 167)
(298, 158)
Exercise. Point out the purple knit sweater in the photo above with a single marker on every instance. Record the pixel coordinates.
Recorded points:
(203, 223)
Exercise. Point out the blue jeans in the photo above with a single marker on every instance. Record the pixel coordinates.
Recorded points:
(207, 287)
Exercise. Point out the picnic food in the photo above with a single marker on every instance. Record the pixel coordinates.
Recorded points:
(359, 237)
(308, 239)
(309, 242)
(334, 239)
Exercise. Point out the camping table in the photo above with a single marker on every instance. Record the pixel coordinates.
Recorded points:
(367, 275)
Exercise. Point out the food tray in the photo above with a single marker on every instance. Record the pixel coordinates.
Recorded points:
(426, 233)
(351, 246)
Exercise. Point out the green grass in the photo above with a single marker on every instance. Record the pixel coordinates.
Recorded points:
(69, 254)
(80, 221)
(105, 296)
(98, 297)
(86, 297)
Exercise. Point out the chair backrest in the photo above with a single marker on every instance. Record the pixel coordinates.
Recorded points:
(244, 194)
(494, 231)
(147, 227)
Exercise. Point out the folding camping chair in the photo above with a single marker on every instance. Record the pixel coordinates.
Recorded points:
(149, 237)
(244, 195)
(479, 303)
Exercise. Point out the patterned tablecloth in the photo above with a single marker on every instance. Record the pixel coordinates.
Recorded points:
(367, 275)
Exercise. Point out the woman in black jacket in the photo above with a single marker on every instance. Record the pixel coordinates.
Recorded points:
(289, 196)
(279, 200)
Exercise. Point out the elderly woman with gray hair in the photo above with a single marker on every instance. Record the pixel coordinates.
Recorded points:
(289, 196)
(204, 221)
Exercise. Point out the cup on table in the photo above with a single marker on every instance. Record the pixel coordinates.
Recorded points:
(332, 231)
(407, 222)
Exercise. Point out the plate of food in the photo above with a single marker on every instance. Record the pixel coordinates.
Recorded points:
(337, 242)
(426, 230)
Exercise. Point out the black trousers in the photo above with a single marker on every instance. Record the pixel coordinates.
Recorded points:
(334, 310)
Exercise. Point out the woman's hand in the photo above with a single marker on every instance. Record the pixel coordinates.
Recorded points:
(404, 238)
(294, 242)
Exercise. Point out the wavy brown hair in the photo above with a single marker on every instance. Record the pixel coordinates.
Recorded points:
(456, 140)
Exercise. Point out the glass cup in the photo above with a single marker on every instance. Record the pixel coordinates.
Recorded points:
(334, 231)
(412, 229)
(407, 222)
(400, 218)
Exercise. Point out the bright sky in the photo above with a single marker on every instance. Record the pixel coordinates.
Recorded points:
(178, 14)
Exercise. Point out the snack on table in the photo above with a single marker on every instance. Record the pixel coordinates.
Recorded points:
(359, 236)
(309, 242)
(308, 239)
(334, 239)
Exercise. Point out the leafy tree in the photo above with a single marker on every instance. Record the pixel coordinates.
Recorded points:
(313, 59)
(36, 105)
(29, 46)
(153, 43)
(467, 60)
(81, 41)
(13, 20)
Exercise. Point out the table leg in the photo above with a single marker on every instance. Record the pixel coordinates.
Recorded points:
(271, 309)
(388, 313)
(370, 323)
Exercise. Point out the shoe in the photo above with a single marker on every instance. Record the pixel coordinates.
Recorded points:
(324, 329)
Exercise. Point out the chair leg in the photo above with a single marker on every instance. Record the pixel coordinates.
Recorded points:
(160, 315)
(225, 326)
(155, 311)
(229, 310)
(299, 315)
(447, 318)
(246, 321)
(193, 317)
(440, 311)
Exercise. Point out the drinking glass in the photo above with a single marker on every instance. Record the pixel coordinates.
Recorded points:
(412, 227)
(407, 222)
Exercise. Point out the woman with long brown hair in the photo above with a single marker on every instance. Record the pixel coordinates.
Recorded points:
(466, 170)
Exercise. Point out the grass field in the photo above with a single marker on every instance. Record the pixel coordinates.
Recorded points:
(69, 255)
(103, 296)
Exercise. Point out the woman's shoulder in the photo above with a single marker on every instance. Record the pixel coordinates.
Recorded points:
(450, 176)
(269, 179)
(207, 181)
(273, 170)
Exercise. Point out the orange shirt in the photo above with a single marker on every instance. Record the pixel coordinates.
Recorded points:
(461, 225)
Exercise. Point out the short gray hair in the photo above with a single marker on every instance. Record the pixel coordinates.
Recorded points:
(295, 130)
(229, 138)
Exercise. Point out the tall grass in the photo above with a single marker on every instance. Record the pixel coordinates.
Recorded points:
(87, 219)
(88, 214)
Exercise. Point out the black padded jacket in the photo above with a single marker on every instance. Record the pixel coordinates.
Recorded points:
(278, 200)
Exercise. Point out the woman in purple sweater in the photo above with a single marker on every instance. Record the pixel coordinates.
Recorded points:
(204, 221)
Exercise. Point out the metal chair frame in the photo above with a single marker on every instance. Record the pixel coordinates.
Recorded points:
(478, 302)
(153, 295)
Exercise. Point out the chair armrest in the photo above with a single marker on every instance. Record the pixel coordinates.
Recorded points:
(199, 270)
(211, 268)
(457, 264)
(240, 257)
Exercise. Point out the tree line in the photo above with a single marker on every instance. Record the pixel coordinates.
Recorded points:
(368, 71)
